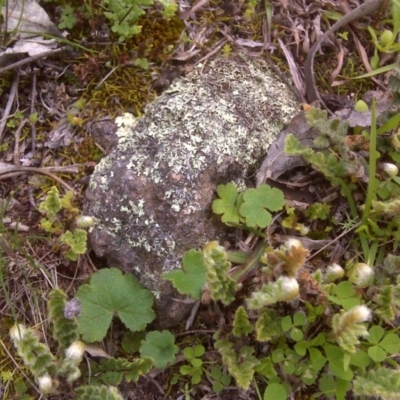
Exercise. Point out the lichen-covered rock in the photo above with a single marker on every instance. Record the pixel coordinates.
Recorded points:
(151, 195)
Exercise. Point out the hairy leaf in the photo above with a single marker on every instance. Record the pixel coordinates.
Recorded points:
(192, 278)
(110, 292)
(257, 202)
(227, 203)
(159, 346)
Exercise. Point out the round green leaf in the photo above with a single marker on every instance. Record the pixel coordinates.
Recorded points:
(296, 334)
(288, 367)
(309, 376)
(278, 355)
(360, 359)
(188, 353)
(375, 334)
(160, 347)
(199, 350)
(196, 362)
(216, 373)
(275, 391)
(186, 369)
(391, 343)
(376, 353)
(110, 293)
(286, 323)
(299, 319)
(226, 379)
(218, 387)
(301, 347)
(196, 377)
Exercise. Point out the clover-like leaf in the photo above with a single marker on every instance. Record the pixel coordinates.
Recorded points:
(257, 204)
(227, 203)
(110, 292)
(159, 346)
(192, 278)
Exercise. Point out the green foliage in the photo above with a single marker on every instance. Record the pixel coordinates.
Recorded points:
(109, 293)
(221, 380)
(221, 285)
(268, 325)
(160, 347)
(123, 16)
(76, 241)
(257, 204)
(68, 18)
(228, 203)
(111, 371)
(291, 324)
(192, 278)
(382, 343)
(64, 329)
(98, 393)
(240, 364)
(194, 369)
(318, 211)
(241, 323)
(35, 355)
(52, 204)
(344, 294)
(388, 302)
(59, 211)
(382, 382)
(251, 207)
(275, 391)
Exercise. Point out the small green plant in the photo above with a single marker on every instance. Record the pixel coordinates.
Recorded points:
(122, 15)
(60, 211)
(123, 294)
(97, 310)
(160, 347)
(253, 207)
(194, 368)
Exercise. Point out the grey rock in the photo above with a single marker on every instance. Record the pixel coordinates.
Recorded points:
(151, 195)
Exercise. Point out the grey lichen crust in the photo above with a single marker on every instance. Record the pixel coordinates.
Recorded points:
(209, 127)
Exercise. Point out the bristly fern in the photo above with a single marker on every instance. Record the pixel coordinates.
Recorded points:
(382, 382)
(221, 285)
(240, 364)
(65, 330)
(98, 393)
(241, 323)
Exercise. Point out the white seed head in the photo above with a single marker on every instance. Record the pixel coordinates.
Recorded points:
(18, 332)
(293, 243)
(84, 221)
(289, 288)
(360, 314)
(361, 274)
(45, 383)
(390, 169)
(75, 351)
(334, 272)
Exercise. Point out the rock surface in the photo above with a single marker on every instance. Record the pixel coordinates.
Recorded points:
(151, 195)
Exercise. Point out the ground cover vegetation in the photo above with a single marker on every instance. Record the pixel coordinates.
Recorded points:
(277, 320)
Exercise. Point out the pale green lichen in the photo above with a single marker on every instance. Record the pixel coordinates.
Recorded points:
(224, 112)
